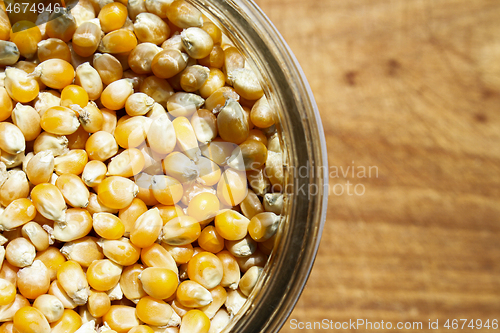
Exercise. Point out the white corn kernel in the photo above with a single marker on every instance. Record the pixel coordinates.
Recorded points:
(12, 139)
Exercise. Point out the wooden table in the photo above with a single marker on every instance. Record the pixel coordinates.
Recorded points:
(411, 88)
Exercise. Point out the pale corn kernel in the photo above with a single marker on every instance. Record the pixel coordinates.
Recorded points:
(180, 167)
(262, 115)
(235, 301)
(121, 318)
(108, 67)
(186, 138)
(78, 223)
(251, 205)
(181, 231)
(180, 253)
(20, 252)
(206, 269)
(147, 228)
(191, 190)
(12, 160)
(274, 168)
(30, 320)
(57, 291)
(94, 173)
(108, 226)
(103, 275)
(73, 161)
(161, 135)
(59, 120)
(27, 119)
(129, 214)
(273, 202)
(40, 167)
(252, 153)
(69, 322)
(118, 41)
(101, 146)
(184, 15)
(121, 251)
(91, 120)
(16, 186)
(159, 282)
(49, 202)
(34, 280)
(8, 311)
(193, 295)
(117, 192)
(135, 7)
(84, 251)
(17, 213)
(88, 321)
(209, 172)
(88, 78)
(157, 256)
(142, 56)
(74, 191)
(52, 259)
(9, 53)
(83, 11)
(116, 294)
(61, 25)
(115, 95)
(232, 187)
(159, 89)
(12, 139)
(6, 104)
(7, 292)
(130, 283)
(109, 120)
(179, 309)
(267, 246)
(168, 63)
(242, 247)
(126, 164)
(53, 48)
(194, 77)
(149, 28)
(215, 60)
(231, 122)
(96, 206)
(72, 279)
(210, 240)
(219, 321)
(233, 60)
(219, 296)
(166, 190)
(154, 311)
(132, 132)
(256, 259)
(249, 280)
(138, 104)
(36, 235)
(246, 84)
(8, 271)
(57, 144)
(51, 307)
(98, 303)
(258, 180)
(204, 124)
(183, 104)
(20, 85)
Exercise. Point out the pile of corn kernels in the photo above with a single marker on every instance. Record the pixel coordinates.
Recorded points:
(140, 171)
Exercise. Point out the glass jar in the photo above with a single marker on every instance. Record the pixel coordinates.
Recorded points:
(305, 162)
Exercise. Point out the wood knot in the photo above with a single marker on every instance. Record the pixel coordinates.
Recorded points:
(350, 77)
(393, 67)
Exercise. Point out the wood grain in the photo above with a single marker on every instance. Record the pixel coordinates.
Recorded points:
(411, 87)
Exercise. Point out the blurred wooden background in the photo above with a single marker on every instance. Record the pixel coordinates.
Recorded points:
(413, 88)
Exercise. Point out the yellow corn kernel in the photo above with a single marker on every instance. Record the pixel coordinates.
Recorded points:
(84, 251)
(209, 172)
(233, 60)
(231, 225)
(4, 24)
(159, 89)
(186, 138)
(8, 311)
(231, 122)
(73, 190)
(206, 269)
(51, 307)
(181, 230)
(20, 85)
(149, 28)
(251, 205)
(126, 164)
(117, 192)
(253, 153)
(263, 226)
(6, 104)
(88, 78)
(210, 240)
(141, 329)
(234, 301)
(262, 115)
(73, 161)
(232, 187)
(7, 327)
(9, 272)
(166, 190)
(34, 280)
(169, 212)
(61, 25)
(55, 73)
(112, 16)
(16, 186)
(194, 77)
(49, 202)
(147, 228)
(98, 304)
(74, 94)
(30, 320)
(59, 120)
(96, 206)
(118, 41)
(103, 275)
(36, 235)
(116, 94)
(17, 213)
(132, 132)
(108, 226)
(157, 256)
(180, 167)
(168, 63)
(130, 283)
(12, 139)
(129, 214)
(257, 135)
(53, 48)
(108, 67)
(27, 119)
(154, 311)
(215, 61)
(94, 173)
(184, 15)
(101, 146)
(109, 120)
(191, 294)
(161, 135)
(121, 251)
(203, 206)
(180, 253)
(159, 282)
(69, 322)
(52, 258)
(219, 296)
(258, 180)
(141, 57)
(26, 35)
(204, 124)
(121, 318)
(73, 281)
(7, 292)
